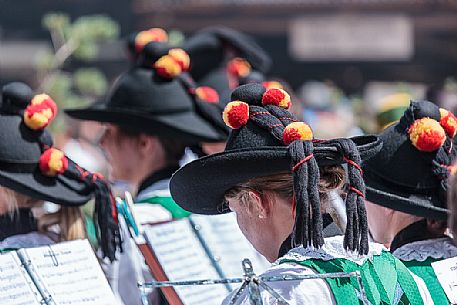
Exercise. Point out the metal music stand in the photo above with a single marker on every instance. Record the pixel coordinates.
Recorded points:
(253, 283)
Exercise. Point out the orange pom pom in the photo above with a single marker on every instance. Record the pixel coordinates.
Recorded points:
(449, 122)
(53, 162)
(236, 114)
(276, 97)
(40, 112)
(207, 94)
(145, 37)
(272, 84)
(297, 131)
(181, 57)
(239, 67)
(427, 134)
(167, 67)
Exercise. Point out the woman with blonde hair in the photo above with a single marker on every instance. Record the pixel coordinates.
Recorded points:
(275, 177)
(32, 171)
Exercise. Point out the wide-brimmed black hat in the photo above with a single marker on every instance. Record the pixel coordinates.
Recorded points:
(31, 166)
(410, 172)
(266, 140)
(151, 98)
(220, 56)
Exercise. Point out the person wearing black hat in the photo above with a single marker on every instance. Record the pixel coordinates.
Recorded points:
(275, 177)
(407, 190)
(33, 171)
(150, 117)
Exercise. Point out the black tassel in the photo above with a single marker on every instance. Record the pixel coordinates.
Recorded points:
(105, 213)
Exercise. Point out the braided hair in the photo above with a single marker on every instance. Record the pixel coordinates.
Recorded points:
(268, 110)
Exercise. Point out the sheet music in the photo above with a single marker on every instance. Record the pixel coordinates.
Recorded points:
(70, 273)
(228, 244)
(183, 258)
(16, 287)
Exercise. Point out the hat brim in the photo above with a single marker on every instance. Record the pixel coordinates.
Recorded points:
(186, 126)
(59, 189)
(197, 188)
(420, 205)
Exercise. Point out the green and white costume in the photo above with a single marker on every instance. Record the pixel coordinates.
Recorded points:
(386, 280)
(418, 257)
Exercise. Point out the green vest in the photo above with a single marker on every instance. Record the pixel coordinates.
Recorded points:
(168, 203)
(385, 279)
(425, 271)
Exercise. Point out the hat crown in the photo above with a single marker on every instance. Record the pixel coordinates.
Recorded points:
(419, 110)
(402, 166)
(139, 89)
(15, 97)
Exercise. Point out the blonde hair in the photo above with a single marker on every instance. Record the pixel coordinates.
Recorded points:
(331, 177)
(69, 220)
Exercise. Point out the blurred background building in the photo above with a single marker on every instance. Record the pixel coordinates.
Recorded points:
(330, 51)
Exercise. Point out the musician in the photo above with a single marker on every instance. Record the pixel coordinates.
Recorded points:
(33, 171)
(407, 190)
(275, 177)
(150, 118)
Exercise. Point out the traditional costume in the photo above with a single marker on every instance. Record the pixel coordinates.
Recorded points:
(267, 140)
(410, 175)
(30, 165)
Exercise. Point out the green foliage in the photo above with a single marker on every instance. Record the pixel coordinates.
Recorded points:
(79, 39)
(90, 81)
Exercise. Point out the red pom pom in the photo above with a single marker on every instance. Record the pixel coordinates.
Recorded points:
(145, 37)
(297, 131)
(236, 114)
(427, 134)
(181, 57)
(448, 122)
(239, 67)
(53, 162)
(276, 97)
(40, 112)
(167, 67)
(207, 94)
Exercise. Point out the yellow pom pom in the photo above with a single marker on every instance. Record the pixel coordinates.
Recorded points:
(181, 57)
(297, 131)
(40, 112)
(236, 114)
(167, 67)
(427, 134)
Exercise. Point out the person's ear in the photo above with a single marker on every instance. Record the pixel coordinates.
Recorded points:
(261, 205)
(146, 144)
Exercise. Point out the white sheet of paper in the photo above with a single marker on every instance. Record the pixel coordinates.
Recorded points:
(183, 258)
(446, 272)
(228, 244)
(70, 273)
(16, 287)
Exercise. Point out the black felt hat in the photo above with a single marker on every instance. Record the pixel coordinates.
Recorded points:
(31, 166)
(266, 140)
(217, 55)
(410, 172)
(151, 98)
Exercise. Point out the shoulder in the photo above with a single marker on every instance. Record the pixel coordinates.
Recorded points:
(310, 291)
(29, 240)
(439, 248)
(332, 249)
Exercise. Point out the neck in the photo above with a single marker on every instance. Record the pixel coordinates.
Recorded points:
(159, 174)
(416, 231)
